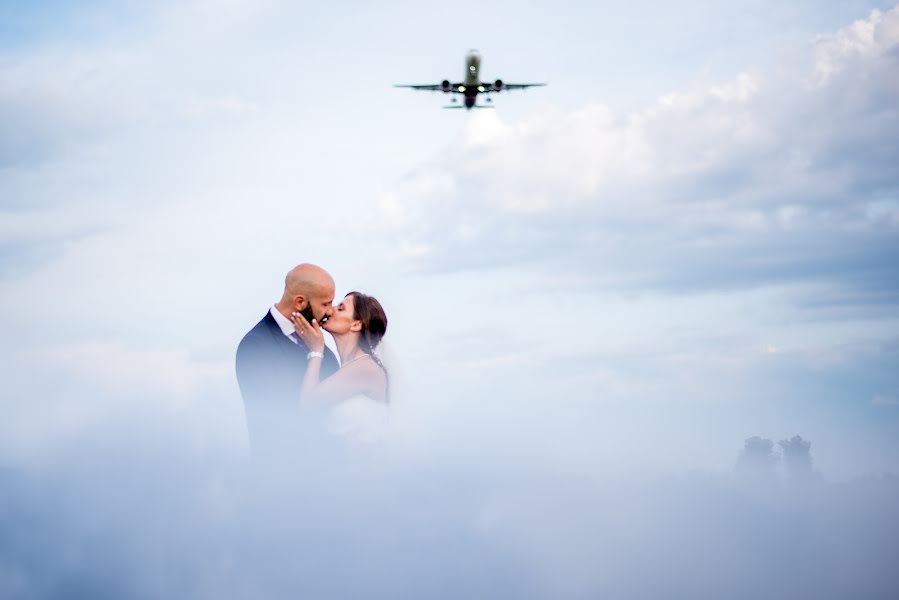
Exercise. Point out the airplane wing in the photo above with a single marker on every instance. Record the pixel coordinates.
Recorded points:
(490, 87)
(520, 86)
(436, 87)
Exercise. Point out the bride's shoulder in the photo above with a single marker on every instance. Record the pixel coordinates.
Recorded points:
(368, 365)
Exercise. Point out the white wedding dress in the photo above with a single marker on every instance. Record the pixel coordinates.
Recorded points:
(359, 420)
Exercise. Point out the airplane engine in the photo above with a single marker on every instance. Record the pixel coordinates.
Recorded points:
(498, 84)
(445, 85)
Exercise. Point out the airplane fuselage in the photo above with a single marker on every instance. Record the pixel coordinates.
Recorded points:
(472, 78)
(472, 69)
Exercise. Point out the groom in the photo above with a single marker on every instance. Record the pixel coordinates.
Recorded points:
(271, 361)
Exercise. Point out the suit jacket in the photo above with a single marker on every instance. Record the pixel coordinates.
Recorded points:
(270, 370)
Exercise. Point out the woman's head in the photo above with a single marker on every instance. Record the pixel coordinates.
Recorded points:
(361, 314)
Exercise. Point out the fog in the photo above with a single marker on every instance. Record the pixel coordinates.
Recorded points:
(134, 507)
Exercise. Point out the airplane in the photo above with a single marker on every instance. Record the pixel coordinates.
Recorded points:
(472, 85)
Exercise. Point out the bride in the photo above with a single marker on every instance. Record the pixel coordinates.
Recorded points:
(358, 392)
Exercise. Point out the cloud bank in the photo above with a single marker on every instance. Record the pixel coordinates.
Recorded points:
(785, 174)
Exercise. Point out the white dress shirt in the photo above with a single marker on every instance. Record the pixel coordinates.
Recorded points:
(284, 323)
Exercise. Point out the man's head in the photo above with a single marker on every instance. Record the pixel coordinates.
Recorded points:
(308, 289)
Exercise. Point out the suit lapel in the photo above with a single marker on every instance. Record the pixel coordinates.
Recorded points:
(286, 346)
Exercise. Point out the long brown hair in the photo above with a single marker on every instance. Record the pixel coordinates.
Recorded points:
(370, 313)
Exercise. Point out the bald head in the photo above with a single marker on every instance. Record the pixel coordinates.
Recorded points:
(306, 279)
(307, 286)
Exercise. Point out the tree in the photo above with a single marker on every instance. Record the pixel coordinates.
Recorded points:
(797, 459)
(757, 463)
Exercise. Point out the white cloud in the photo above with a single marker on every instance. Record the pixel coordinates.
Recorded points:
(863, 39)
(67, 391)
(754, 181)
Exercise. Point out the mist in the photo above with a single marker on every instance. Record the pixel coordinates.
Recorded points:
(155, 503)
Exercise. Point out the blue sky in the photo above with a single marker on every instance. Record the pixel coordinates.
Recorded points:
(693, 228)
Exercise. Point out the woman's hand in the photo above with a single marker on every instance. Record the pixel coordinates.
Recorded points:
(310, 333)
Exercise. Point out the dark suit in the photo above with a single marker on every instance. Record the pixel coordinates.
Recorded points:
(270, 370)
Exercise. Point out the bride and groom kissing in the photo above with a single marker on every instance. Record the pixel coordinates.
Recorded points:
(285, 370)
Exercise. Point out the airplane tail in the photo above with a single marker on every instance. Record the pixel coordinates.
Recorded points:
(475, 106)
